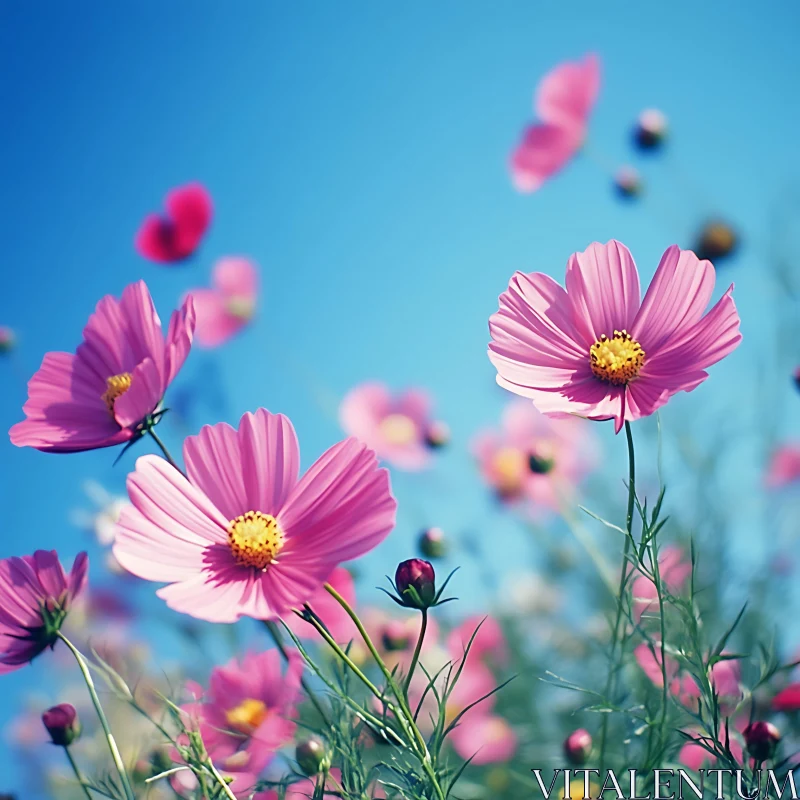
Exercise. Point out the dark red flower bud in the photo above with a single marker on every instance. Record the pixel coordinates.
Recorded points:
(432, 543)
(761, 739)
(627, 182)
(311, 755)
(415, 580)
(437, 435)
(650, 130)
(62, 724)
(578, 746)
(7, 339)
(716, 241)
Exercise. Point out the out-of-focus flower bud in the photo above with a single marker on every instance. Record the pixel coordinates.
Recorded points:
(540, 464)
(437, 435)
(628, 182)
(415, 580)
(432, 543)
(796, 377)
(62, 724)
(650, 130)
(578, 746)
(311, 755)
(716, 240)
(787, 699)
(761, 739)
(7, 339)
(395, 636)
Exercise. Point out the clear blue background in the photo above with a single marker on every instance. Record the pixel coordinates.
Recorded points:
(357, 152)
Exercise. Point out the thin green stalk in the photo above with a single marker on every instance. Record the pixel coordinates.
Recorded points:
(112, 742)
(152, 431)
(78, 776)
(417, 649)
(660, 595)
(221, 781)
(612, 671)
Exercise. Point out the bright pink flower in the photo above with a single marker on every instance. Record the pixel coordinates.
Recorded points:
(596, 350)
(176, 235)
(35, 596)
(564, 99)
(241, 535)
(784, 466)
(787, 699)
(246, 717)
(225, 309)
(489, 644)
(304, 789)
(674, 570)
(533, 457)
(394, 427)
(100, 396)
(336, 620)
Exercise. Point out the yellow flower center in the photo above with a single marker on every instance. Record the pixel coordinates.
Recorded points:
(255, 539)
(247, 716)
(116, 386)
(618, 360)
(508, 465)
(577, 790)
(398, 429)
(241, 307)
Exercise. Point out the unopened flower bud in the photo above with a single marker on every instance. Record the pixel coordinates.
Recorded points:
(437, 435)
(796, 377)
(716, 241)
(650, 130)
(395, 636)
(578, 746)
(62, 724)
(432, 543)
(7, 339)
(539, 464)
(415, 580)
(311, 755)
(627, 182)
(761, 739)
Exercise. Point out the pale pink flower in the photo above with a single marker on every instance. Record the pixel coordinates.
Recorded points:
(229, 305)
(564, 99)
(595, 349)
(674, 571)
(533, 457)
(240, 534)
(489, 644)
(784, 466)
(395, 427)
(247, 714)
(100, 396)
(35, 597)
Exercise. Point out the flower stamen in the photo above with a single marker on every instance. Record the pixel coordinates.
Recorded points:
(398, 429)
(247, 716)
(255, 539)
(116, 386)
(617, 360)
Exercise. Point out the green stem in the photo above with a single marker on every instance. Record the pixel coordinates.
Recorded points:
(112, 742)
(152, 431)
(612, 669)
(273, 631)
(415, 658)
(221, 781)
(660, 594)
(78, 776)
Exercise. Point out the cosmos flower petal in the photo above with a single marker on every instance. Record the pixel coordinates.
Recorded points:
(49, 572)
(484, 738)
(144, 338)
(190, 208)
(203, 597)
(179, 337)
(543, 151)
(214, 324)
(236, 277)
(566, 95)
(142, 397)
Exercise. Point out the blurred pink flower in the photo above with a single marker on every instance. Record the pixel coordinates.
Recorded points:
(118, 376)
(787, 699)
(177, 234)
(336, 620)
(225, 309)
(304, 789)
(395, 637)
(564, 99)
(596, 350)
(396, 428)
(35, 596)
(674, 570)
(534, 457)
(241, 535)
(489, 644)
(246, 717)
(695, 756)
(784, 466)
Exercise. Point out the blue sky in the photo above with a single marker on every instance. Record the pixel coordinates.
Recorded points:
(357, 152)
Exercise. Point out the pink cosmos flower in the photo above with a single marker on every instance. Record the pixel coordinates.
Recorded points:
(225, 309)
(176, 235)
(336, 620)
(787, 699)
(595, 349)
(564, 99)
(304, 789)
(674, 570)
(784, 466)
(246, 716)
(240, 534)
(100, 396)
(396, 428)
(35, 597)
(488, 645)
(533, 457)
(394, 636)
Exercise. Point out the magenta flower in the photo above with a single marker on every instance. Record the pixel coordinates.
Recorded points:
(225, 309)
(534, 458)
(176, 235)
(787, 699)
(595, 349)
(241, 535)
(336, 619)
(784, 466)
(35, 598)
(100, 396)
(564, 99)
(674, 571)
(488, 645)
(396, 428)
(247, 714)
